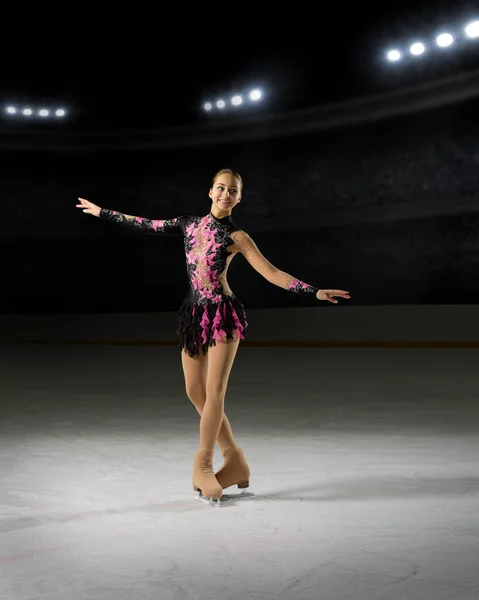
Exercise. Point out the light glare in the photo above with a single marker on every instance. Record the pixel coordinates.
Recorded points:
(236, 100)
(255, 95)
(11, 110)
(221, 104)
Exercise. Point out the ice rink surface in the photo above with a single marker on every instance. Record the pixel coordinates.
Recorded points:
(364, 465)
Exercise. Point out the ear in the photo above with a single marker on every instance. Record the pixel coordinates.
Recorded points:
(210, 193)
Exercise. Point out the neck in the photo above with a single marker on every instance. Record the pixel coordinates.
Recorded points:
(220, 214)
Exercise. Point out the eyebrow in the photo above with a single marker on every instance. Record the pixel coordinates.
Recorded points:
(224, 184)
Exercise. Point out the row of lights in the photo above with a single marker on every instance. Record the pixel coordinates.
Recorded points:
(443, 40)
(42, 112)
(236, 100)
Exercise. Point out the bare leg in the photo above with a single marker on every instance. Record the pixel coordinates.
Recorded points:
(195, 371)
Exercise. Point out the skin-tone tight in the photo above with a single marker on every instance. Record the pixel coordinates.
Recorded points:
(206, 380)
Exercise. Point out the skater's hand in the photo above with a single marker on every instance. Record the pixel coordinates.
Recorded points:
(88, 207)
(329, 295)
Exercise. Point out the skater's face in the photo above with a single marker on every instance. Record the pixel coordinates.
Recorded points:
(225, 192)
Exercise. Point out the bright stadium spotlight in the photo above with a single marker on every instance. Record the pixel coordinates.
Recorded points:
(27, 112)
(207, 106)
(236, 100)
(11, 110)
(60, 112)
(472, 30)
(255, 95)
(393, 55)
(444, 40)
(221, 104)
(43, 112)
(417, 49)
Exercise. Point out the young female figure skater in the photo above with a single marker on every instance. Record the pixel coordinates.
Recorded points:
(212, 321)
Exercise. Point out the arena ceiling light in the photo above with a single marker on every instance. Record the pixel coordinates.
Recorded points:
(472, 30)
(443, 39)
(417, 49)
(234, 101)
(393, 55)
(15, 111)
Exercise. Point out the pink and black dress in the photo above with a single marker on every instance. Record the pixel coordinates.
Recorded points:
(211, 312)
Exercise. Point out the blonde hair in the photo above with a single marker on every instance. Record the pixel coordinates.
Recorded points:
(229, 172)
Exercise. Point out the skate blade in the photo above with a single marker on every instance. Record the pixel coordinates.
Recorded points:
(211, 501)
(239, 496)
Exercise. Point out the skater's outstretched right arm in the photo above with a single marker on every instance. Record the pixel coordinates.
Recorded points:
(138, 223)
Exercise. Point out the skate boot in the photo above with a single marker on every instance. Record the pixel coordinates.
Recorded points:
(204, 480)
(235, 470)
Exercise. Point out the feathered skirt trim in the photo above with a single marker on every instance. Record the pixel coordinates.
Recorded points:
(204, 325)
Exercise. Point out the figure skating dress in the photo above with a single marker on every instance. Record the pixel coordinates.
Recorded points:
(210, 313)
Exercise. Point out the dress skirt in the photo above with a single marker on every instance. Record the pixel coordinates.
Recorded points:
(206, 323)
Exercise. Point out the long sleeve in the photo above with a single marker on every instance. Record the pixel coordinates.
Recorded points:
(252, 254)
(141, 224)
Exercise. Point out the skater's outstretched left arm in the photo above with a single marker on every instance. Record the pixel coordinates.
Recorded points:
(277, 277)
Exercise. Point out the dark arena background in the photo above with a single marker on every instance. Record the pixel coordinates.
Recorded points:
(359, 420)
(389, 206)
